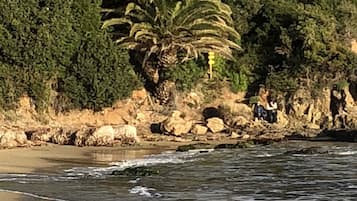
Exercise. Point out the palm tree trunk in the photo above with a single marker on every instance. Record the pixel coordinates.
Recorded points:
(166, 92)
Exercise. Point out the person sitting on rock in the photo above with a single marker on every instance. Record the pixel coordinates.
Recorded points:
(259, 112)
(272, 108)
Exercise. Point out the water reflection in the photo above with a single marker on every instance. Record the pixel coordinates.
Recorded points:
(119, 155)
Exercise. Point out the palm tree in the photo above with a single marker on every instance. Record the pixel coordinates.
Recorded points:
(171, 31)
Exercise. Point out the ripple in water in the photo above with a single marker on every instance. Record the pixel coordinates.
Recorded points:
(258, 173)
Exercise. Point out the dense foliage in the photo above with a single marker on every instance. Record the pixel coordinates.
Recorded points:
(292, 43)
(58, 45)
(56, 52)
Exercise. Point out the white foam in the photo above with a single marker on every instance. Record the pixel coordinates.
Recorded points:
(264, 155)
(144, 191)
(23, 177)
(134, 181)
(163, 158)
(347, 153)
(31, 195)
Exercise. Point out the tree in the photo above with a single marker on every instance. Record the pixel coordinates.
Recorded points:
(168, 32)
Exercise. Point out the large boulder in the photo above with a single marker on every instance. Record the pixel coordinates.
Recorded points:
(199, 129)
(282, 119)
(10, 139)
(176, 125)
(344, 135)
(83, 137)
(127, 134)
(103, 136)
(42, 134)
(64, 136)
(215, 124)
(237, 109)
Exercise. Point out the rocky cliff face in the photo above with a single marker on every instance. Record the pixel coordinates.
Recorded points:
(226, 116)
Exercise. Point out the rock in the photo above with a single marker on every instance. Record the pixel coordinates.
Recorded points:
(238, 145)
(44, 134)
(215, 124)
(312, 126)
(237, 109)
(271, 136)
(193, 99)
(199, 129)
(103, 136)
(136, 171)
(21, 138)
(245, 137)
(309, 150)
(64, 136)
(282, 119)
(240, 121)
(139, 95)
(188, 147)
(344, 135)
(235, 135)
(11, 139)
(83, 135)
(176, 124)
(127, 134)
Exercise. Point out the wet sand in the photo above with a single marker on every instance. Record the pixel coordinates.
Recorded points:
(52, 158)
(56, 158)
(5, 196)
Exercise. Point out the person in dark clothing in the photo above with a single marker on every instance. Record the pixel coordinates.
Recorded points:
(259, 112)
(272, 110)
(343, 100)
(334, 103)
(338, 106)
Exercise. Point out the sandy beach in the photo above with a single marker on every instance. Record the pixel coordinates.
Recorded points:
(52, 158)
(56, 158)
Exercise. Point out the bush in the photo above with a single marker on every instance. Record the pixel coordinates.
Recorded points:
(100, 75)
(186, 75)
(46, 42)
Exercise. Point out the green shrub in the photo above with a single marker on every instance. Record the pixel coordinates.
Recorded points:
(100, 75)
(342, 84)
(281, 82)
(187, 74)
(46, 42)
(10, 87)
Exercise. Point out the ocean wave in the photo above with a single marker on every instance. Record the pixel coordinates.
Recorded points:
(346, 153)
(150, 160)
(23, 178)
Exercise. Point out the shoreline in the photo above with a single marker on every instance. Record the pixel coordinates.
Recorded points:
(53, 158)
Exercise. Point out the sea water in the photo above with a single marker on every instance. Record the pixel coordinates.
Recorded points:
(257, 173)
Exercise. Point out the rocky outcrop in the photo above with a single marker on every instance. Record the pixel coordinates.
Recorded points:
(215, 124)
(12, 138)
(137, 171)
(309, 150)
(64, 136)
(176, 124)
(188, 147)
(344, 135)
(84, 136)
(127, 134)
(198, 129)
